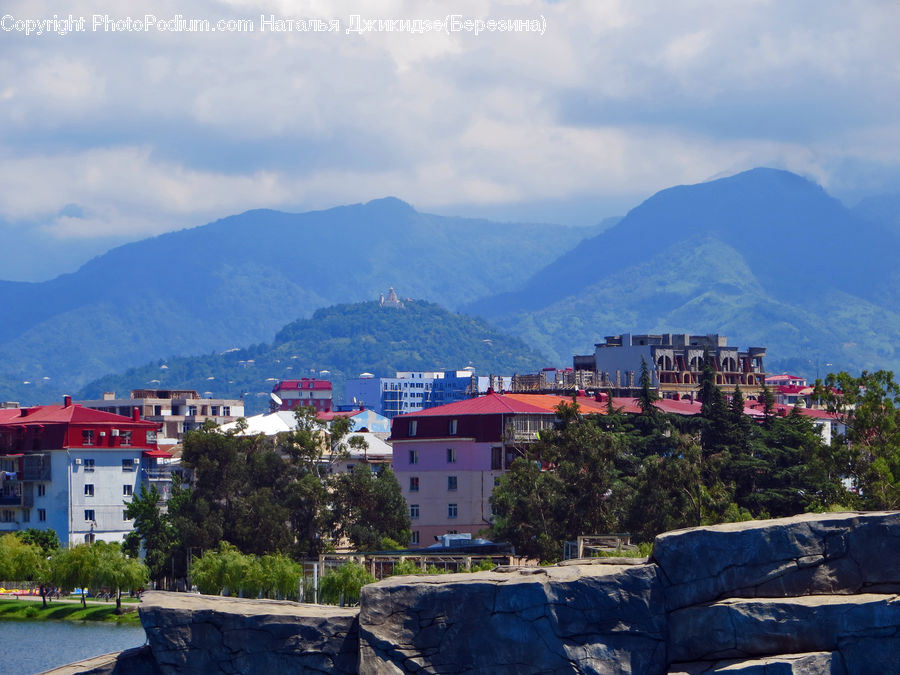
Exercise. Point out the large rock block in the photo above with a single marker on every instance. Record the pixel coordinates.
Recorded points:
(807, 554)
(756, 627)
(193, 633)
(589, 619)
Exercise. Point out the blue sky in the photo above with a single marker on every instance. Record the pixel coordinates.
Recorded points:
(114, 136)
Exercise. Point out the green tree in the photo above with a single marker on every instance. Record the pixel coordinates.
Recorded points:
(368, 508)
(867, 406)
(342, 586)
(73, 568)
(113, 570)
(152, 532)
(569, 485)
(226, 571)
(279, 576)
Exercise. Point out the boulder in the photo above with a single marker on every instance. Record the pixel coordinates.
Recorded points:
(812, 553)
(590, 619)
(199, 633)
(738, 628)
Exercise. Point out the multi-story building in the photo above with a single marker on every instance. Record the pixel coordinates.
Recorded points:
(72, 469)
(177, 410)
(304, 392)
(448, 459)
(410, 391)
(675, 362)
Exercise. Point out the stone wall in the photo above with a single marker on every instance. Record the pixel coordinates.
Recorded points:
(816, 593)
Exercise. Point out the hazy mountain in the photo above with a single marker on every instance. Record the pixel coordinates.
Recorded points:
(344, 340)
(236, 281)
(765, 257)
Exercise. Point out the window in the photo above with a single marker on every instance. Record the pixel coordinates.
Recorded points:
(214, 410)
(42, 490)
(89, 538)
(451, 510)
(88, 489)
(89, 465)
(127, 490)
(453, 426)
(8, 516)
(451, 482)
(451, 455)
(413, 456)
(42, 515)
(124, 438)
(89, 514)
(87, 436)
(125, 515)
(414, 484)
(192, 411)
(157, 411)
(127, 465)
(226, 410)
(413, 426)
(26, 515)
(413, 511)
(151, 437)
(414, 538)
(496, 458)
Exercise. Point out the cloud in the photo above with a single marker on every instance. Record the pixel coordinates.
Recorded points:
(158, 130)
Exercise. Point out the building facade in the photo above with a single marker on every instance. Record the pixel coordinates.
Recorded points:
(177, 410)
(72, 469)
(675, 362)
(304, 392)
(448, 459)
(410, 391)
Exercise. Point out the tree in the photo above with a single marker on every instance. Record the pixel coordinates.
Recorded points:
(566, 487)
(867, 407)
(73, 568)
(369, 508)
(225, 571)
(343, 585)
(22, 561)
(152, 531)
(113, 570)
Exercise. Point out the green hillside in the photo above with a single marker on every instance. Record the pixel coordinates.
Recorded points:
(344, 340)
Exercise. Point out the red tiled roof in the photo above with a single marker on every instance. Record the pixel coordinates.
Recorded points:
(160, 454)
(305, 383)
(330, 415)
(71, 414)
(490, 404)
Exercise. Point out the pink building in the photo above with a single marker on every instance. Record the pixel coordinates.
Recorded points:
(448, 458)
(305, 392)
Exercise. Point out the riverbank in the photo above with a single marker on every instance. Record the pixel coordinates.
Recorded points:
(68, 610)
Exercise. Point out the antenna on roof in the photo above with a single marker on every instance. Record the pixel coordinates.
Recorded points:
(276, 398)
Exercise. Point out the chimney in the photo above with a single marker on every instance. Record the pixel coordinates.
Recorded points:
(67, 401)
(136, 414)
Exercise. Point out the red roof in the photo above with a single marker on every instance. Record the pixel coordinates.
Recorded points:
(305, 383)
(70, 414)
(160, 454)
(330, 415)
(490, 404)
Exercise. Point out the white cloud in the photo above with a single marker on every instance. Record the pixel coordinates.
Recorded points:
(149, 132)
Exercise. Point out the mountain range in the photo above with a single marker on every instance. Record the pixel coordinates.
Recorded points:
(765, 257)
(237, 281)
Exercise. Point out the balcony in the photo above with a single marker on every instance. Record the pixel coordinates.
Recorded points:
(158, 474)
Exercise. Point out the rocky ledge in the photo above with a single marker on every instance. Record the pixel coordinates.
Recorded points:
(811, 594)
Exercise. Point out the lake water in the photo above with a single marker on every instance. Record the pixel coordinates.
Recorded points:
(28, 647)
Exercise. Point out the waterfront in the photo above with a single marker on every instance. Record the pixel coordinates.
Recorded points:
(28, 647)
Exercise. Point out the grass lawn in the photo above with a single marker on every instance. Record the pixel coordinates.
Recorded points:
(32, 610)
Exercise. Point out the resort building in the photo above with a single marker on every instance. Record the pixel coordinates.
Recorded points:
(290, 394)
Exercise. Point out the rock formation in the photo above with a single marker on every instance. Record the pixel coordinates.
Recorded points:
(812, 594)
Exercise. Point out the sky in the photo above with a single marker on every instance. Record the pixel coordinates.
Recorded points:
(135, 126)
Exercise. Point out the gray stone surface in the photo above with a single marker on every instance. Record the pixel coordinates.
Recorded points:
(755, 627)
(815, 663)
(192, 633)
(808, 554)
(591, 619)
